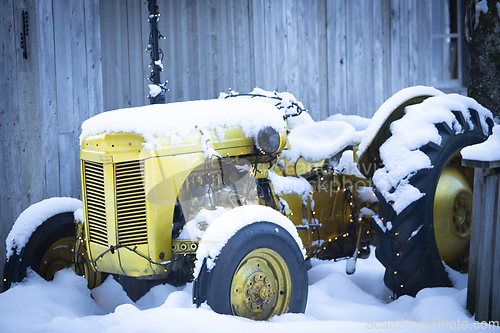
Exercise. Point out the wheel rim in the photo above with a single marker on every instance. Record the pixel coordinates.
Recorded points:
(453, 217)
(261, 286)
(58, 256)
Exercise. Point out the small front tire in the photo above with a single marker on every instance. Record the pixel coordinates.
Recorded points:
(260, 273)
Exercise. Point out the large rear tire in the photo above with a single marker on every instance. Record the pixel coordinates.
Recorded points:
(49, 249)
(259, 273)
(435, 228)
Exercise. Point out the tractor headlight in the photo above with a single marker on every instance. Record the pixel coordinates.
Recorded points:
(270, 140)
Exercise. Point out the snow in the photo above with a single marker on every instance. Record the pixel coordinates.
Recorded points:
(208, 150)
(289, 185)
(388, 106)
(154, 90)
(400, 153)
(359, 123)
(336, 302)
(318, 140)
(192, 230)
(482, 6)
(485, 151)
(228, 223)
(34, 216)
(179, 119)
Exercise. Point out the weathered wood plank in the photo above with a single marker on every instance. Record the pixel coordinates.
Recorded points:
(419, 48)
(485, 249)
(396, 47)
(172, 48)
(10, 203)
(225, 30)
(68, 165)
(64, 73)
(308, 69)
(93, 58)
(322, 60)
(336, 55)
(354, 52)
(9, 117)
(202, 31)
(241, 46)
(381, 55)
(257, 40)
(78, 65)
(70, 85)
(270, 59)
(495, 254)
(10, 176)
(192, 45)
(81, 104)
(48, 98)
(212, 50)
(135, 41)
(475, 240)
(114, 52)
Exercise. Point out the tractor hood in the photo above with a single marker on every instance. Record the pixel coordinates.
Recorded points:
(184, 123)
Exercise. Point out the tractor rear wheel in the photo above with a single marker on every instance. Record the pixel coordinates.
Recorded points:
(433, 231)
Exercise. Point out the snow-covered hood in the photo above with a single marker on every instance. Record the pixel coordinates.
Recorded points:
(177, 120)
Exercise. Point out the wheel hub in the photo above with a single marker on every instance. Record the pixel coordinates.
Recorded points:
(452, 217)
(462, 215)
(259, 291)
(261, 286)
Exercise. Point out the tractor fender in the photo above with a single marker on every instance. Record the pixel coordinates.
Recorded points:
(34, 216)
(222, 229)
(378, 131)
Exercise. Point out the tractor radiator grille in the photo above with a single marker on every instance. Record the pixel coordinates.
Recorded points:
(131, 203)
(96, 208)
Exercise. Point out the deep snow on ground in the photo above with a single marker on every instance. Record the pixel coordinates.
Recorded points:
(337, 302)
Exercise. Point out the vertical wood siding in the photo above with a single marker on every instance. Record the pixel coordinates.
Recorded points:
(44, 99)
(336, 56)
(86, 56)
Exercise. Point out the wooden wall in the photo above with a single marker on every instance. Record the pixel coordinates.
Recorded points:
(44, 99)
(336, 56)
(86, 56)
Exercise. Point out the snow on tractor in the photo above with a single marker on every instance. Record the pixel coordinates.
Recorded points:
(238, 193)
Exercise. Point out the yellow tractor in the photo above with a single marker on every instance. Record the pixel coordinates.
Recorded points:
(238, 193)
